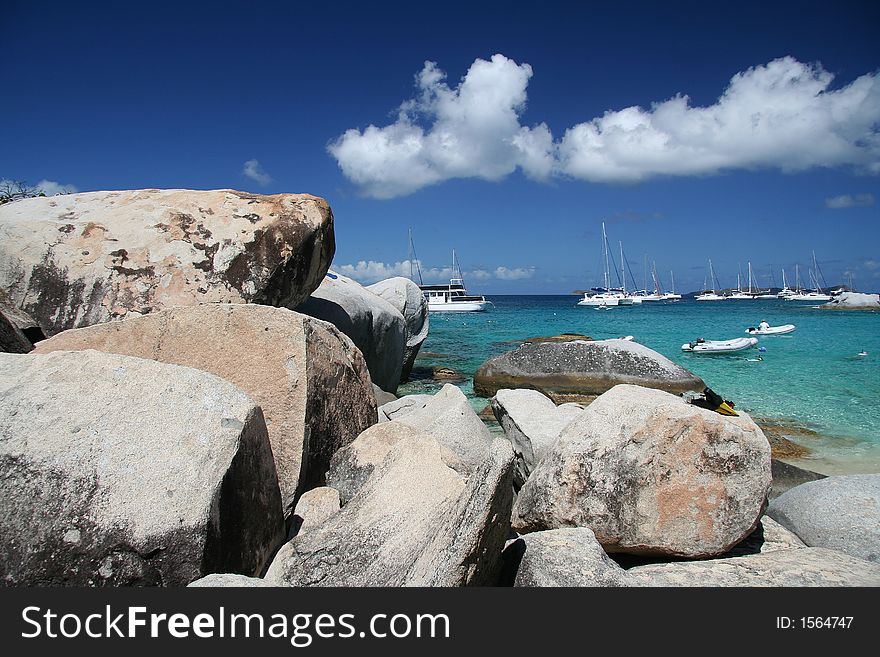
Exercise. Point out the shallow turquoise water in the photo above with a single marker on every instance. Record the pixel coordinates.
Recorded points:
(812, 376)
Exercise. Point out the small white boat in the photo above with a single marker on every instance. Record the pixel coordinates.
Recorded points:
(702, 346)
(606, 295)
(771, 330)
(453, 298)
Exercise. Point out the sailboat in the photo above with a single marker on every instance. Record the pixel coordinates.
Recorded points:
(759, 293)
(739, 294)
(786, 291)
(606, 296)
(452, 298)
(816, 295)
(713, 294)
(672, 296)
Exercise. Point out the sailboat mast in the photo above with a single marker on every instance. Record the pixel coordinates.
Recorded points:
(712, 277)
(672, 276)
(622, 269)
(605, 256)
(750, 278)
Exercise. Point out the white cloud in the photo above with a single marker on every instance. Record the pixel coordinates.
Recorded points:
(254, 171)
(516, 274)
(781, 115)
(850, 201)
(473, 132)
(370, 271)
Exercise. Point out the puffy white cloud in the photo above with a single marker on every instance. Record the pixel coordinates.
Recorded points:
(473, 131)
(850, 201)
(516, 274)
(782, 115)
(370, 271)
(254, 171)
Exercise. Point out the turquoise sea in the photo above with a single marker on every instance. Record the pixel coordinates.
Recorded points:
(811, 378)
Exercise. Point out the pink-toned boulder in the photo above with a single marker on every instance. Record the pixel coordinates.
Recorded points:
(651, 474)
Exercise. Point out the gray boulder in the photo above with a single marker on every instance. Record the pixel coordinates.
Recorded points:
(803, 567)
(394, 410)
(309, 379)
(81, 259)
(651, 474)
(383, 397)
(853, 301)
(580, 370)
(532, 423)
(315, 507)
(786, 476)
(375, 326)
(120, 470)
(227, 580)
(414, 522)
(563, 557)
(449, 417)
(352, 466)
(409, 300)
(841, 513)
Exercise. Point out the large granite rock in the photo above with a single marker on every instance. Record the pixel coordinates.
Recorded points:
(449, 417)
(374, 325)
(82, 259)
(803, 567)
(315, 507)
(651, 474)
(853, 301)
(532, 423)
(580, 370)
(409, 300)
(415, 522)
(563, 557)
(309, 379)
(119, 470)
(352, 466)
(841, 513)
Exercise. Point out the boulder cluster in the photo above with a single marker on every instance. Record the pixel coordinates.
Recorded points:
(190, 396)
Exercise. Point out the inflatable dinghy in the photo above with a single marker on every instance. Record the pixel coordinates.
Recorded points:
(702, 346)
(772, 330)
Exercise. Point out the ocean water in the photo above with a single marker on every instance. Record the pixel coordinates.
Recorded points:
(811, 378)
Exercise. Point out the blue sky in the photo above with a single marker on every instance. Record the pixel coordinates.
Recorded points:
(513, 158)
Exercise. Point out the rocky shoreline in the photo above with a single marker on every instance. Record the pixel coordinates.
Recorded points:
(189, 395)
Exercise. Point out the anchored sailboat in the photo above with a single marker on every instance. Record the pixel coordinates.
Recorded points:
(607, 296)
(713, 281)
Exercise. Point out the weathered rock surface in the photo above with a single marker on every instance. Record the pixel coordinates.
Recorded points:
(853, 301)
(409, 300)
(119, 470)
(309, 379)
(563, 557)
(798, 567)
(375, 326)
(24, 322)
(83, 259)
(532, 423)
(352, 465)
(227, 580)
(579, 370)
(415, 522)
(378, 534)
(394, 410)
(315, 507)
(448, 417)
(466, 549)
(841, 513)
(651, 474)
